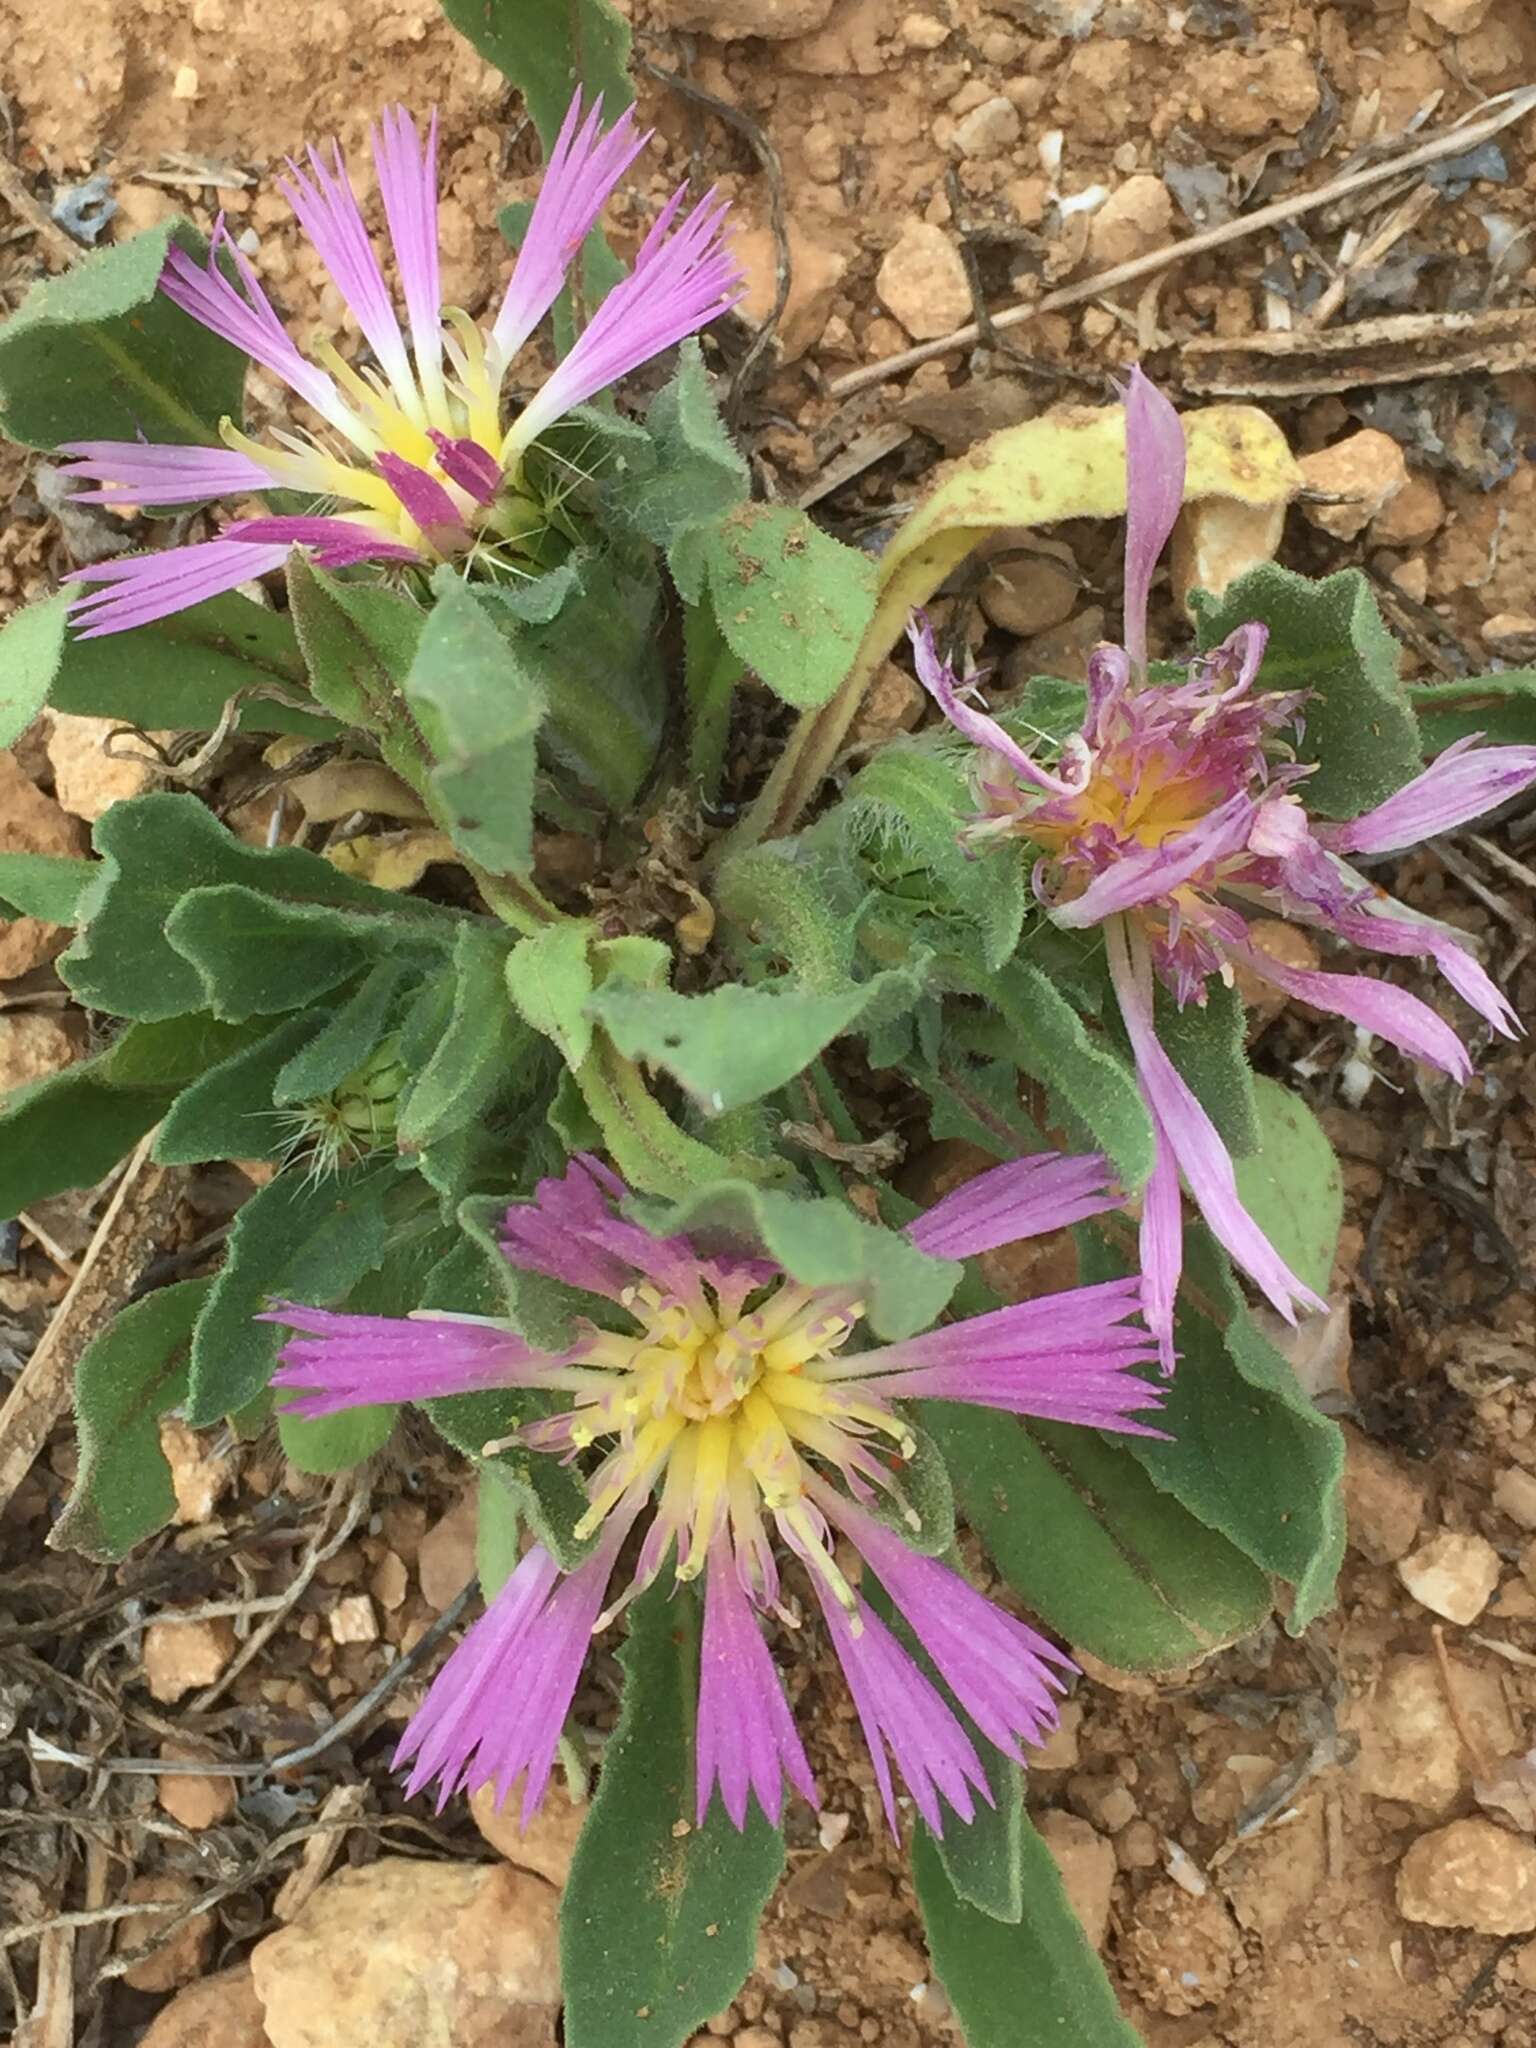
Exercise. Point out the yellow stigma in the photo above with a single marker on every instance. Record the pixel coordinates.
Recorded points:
(720, 1412)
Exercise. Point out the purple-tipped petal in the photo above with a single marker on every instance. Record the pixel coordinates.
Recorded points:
(326, 208)
(471, 467)
(426, 501)
(1024, 1198)
(1377, 1006)
(406, 168)
(901, 1711)
(1203, 1158)
(1003, 1673)
(1394, 929)
(1464, 782)
(158, 473)
(338, 543)
(746, 1741)
(570, 1232)
(1152, 873)
(683, 278)
(1154, 491)
(138, 589)
(1068, 1357)
(584, 167)
(941, 683)
(350, 1361)
(1161, 1247)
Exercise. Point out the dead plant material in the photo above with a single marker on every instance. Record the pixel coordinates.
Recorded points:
(1399, 348)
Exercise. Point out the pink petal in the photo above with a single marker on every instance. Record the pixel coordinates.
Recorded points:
(941, 683)
(158, 472)
(426, 501)
(338, 543)
(1377, 1006)
(1464, 782)
(407, 173)
(355, 1361)
(746, 1739)
(1154, 492)
(1024, 1198)
(142, 588)
(1152, 873)
(1162, 1248)
(326, 208)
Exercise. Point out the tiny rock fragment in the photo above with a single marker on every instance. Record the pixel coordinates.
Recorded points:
(816, 270)
(185, 1949)
(1453, 1574)
(1181, 1951)
(923, 32)
(1410, 1747)
(390, 1581)
(1511, 635)
(1260, 94)
(32, 823)
(1364, 472)
(196, 1800)
(1061, 1748)
(546, 1845)
(1032, 584)
(404, 1953)
(1217, 540)
(445, 1563)
(354, 1621)
(33, 1045)
(86, 778)
(731, 21)
(184, 84)
(220, 2012)
(989, 129)
(1470, 1874)
(1411, 517)
(893, 703)
(1383, 1501)
(1135, 219)
(180, 1656)
(921, 282)
(199, 1476)
(1514, 1494)
(1087, 1865)
(1457, 17)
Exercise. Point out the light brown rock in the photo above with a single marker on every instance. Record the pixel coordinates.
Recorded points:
(1180, 1952)
(923, 32)
(1249, 95)
(731, 21)
(1060, 651)
(893, 703)
(1290, 946)
(86, 779)
(1514, 1494)
(1032, 583)
(1470, 1874)
(1510, 635)
(33, 1045)
(445, 1563)
(404, 1954)
(1457, 17)
(1136, 218)
(183, 1952)
(550, 1840)
(1411, 517)
(31, 823)
(1365, 471)
(1277, 1876)
(1087, 1865)
(921, 282)
(200, 1476)
(220, 2012)
(1410, 1748)
(198, 1801)
(1524, 1962)
(1061, 1748)
(1383, 1499)
(816, 270)
(1453, 1574)
(182, 1655)
(353, 1620)
(390, 1581)
(990, 129)
(1217, 540)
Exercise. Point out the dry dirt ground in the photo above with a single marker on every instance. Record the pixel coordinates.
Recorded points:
(890, 137)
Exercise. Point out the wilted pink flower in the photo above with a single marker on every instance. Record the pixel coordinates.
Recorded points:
(731, 1410)
(1175, 814)
(415, 445)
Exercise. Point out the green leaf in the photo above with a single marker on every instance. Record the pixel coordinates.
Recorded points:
(1291, 1185)
(711, 673)
(179, 673)
(296, 1238)
(335, 1443)
(821, 1243)
(547, 48)
(256, 956)
(1502, 708)
(155, 850)
(358, 642)
(354, 1030)
(480, 705)
(1091, 1545)
(127, 1378)
(731, 1045)
(792, 602)
(1206, 1042)
(44, 885)
(801, 901)
(172, 1051)
(98, 353)
(984, 1858)
(228, 1112)
(659, 1919)
(478, 1048)
(68, 1129)
(700, 473)
(1328, 638)
(31, 641)
(1034, 1985)
(550, 980)
(498, 1532)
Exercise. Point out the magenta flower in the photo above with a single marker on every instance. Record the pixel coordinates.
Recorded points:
(412, 449)
(729, 1410)
(1176, 813)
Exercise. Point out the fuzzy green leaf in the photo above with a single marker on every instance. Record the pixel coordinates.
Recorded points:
(550, 980)
(1291, 1185)
(358, 643)
(31, 641)
(481, 705)
(479, 1046)
(984, 1859)
(1034, 1985)
(98, 353)
(1328, 638)
(296, 1238)
(1206, 1042)
(498, 1532)
(599, 665)
(547, 48)
(354, 1030)
(228, 1112)
(126, 1379)
(659, 1919)
(800, 901)
(335, 1443)
(1502, 708)
(700, 474)
(256, 956)
(44, 885)
(70, 1128)
(792, 602)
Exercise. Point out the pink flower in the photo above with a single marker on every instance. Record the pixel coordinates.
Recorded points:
(1176, 814)
(415, 447)
(729, 1411)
